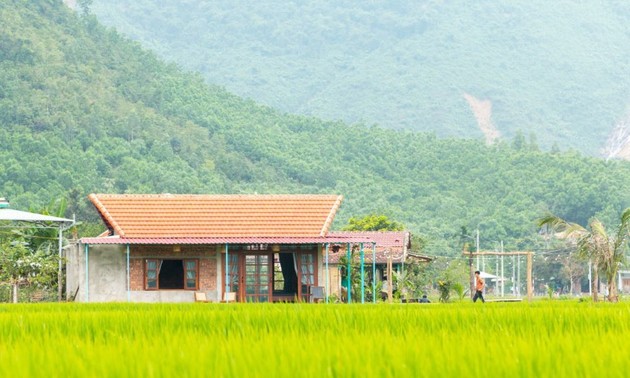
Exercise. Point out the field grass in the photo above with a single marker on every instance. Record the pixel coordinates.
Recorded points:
(560, 339)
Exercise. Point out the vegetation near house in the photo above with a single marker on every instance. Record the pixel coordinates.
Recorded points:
(606, 249)
(22, 266)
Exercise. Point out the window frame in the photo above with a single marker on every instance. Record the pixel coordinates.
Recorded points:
(157, 274)
(195, 270)
(158, 263)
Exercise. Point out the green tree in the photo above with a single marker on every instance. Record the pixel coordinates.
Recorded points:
(20, 266)
(373, 222)
(606, 250)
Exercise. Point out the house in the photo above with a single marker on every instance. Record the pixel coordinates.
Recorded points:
(386, 244)
(165, 248)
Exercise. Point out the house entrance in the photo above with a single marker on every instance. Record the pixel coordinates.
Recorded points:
(256, 273)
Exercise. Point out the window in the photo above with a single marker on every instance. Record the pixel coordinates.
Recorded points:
(171, 274)
(190, 272)
(151, 275)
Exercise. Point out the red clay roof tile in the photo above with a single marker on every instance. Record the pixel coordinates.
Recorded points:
(172, 216)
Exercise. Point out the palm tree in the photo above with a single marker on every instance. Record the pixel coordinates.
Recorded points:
(606, 251)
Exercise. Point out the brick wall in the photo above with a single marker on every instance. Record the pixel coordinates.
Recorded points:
(206, 254)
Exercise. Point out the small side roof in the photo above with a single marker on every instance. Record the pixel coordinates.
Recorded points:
(388, 243)
(205, 216)
(396, 239)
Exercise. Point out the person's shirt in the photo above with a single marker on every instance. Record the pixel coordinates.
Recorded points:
(480, 284)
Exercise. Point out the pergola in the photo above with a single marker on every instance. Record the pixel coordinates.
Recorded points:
(39, 221)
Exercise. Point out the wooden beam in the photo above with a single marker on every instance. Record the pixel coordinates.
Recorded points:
(521, 253)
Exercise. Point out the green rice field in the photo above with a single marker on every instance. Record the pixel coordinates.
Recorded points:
(540, 339)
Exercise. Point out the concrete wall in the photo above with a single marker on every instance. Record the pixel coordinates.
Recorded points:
(108, 273)
(72, 254)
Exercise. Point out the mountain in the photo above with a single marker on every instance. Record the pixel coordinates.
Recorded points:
(83, 109)
(559, 70)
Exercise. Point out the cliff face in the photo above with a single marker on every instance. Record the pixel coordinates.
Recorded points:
(618, 144)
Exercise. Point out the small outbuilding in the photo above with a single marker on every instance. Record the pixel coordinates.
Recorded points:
(386, 246)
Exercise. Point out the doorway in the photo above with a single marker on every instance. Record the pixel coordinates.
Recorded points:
(260, 273)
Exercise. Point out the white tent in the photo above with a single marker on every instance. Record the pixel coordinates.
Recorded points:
(42, 221)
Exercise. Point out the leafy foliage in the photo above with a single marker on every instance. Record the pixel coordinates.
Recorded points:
(373, 223)
(84, 110)
(607, 251)
(19, 265)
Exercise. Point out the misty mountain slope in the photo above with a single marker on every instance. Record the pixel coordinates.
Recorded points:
(84, 110)
(559, 70)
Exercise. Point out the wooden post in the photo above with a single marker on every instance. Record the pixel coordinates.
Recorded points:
(530, 286)
(390, 281)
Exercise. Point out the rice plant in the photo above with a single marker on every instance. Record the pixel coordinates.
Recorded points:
(560, 339)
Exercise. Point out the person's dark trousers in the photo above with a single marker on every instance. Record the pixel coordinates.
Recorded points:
(478, 294)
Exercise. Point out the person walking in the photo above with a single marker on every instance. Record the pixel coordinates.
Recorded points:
(479, 285)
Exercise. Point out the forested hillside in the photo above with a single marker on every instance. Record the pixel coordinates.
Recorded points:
(84, 110)
(557, 69)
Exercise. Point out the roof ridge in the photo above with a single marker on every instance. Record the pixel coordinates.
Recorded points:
(369, 231)
(229, 196)
(331, 216)
(107, 217)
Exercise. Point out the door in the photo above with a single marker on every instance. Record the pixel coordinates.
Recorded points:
(258, 269)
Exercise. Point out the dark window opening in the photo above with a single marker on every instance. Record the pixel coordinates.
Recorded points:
(171, 274)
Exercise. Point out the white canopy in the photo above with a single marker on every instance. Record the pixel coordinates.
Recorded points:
(24, 216)
(40, 220)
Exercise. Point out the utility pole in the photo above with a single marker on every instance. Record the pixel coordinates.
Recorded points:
(477, 245)
(502, 275)
(513, 276)
(471, 269)
(496, 273)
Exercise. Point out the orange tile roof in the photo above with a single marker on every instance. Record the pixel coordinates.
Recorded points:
(185, 216)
